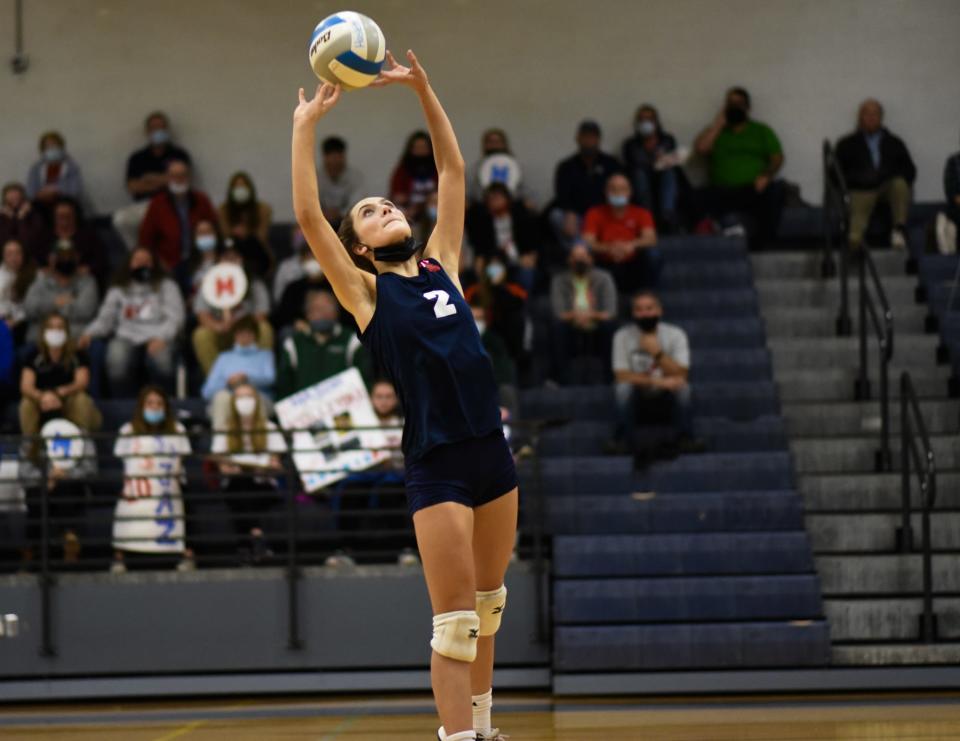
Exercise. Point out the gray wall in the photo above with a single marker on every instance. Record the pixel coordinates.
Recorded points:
(228, 71)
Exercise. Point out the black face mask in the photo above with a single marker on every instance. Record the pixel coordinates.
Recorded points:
(66, 268)
(647, 324)
(397, 252)
(142, 275)
(735, 115)
(589, 152)
(580, 267)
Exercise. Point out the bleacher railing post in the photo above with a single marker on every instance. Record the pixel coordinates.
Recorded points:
(540, 588)
(294, 641)
(905, 531)
(861, 389)
(46, 577)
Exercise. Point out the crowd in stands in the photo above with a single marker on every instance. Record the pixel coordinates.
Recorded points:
(574, 276)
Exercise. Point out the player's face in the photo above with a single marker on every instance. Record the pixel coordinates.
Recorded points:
(377, 222)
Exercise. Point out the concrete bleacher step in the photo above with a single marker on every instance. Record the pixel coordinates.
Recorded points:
(784, 596)
(895, 654)
(794, 265)
(837, 384)
(693, 646)
(838, 454)
(790, 353)
(893, 574)
(873, 491)
(889, 619)
(877, 532)
(900, 291)
(820, 321)
(856, 417)
(718, 472)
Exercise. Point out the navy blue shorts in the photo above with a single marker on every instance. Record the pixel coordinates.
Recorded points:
(471, 472)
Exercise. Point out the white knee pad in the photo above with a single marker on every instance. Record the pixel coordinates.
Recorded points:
(455, 635)
(490, 607)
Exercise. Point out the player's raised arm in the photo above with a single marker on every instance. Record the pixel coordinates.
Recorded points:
(444, 243)
(352, 286)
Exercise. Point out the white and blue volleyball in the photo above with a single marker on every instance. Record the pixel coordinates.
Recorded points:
(347, 48)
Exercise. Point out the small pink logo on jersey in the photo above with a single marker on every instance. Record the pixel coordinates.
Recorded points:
(427, 265)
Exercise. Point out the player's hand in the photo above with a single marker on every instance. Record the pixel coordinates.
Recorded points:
(311, 111)
(413, 76)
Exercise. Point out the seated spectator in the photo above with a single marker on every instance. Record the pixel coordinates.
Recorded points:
(20, 221)
(172, 217)
(70, 229)
(877, 167)
(147, 175)
(215, 331)
(415, 176)
(653, 166)
(149, 515)
(139, 319)
(584, 303)
(248, 455)
(502, 224)
(17, 273)
(53, 382)
(296, 266)
(744, 158)
(63, 289)
(504, 369)
(579, 182)
(291, 304)
(245, 363)
(651, 362)
(495, 288)
(497, 164)
(319, 347)
(206, 248)
(246, 220)
(951, 189)
(623, 238)
(340, 185)
(55, 175)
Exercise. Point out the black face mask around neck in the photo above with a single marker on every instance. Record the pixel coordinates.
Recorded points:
(397, 252)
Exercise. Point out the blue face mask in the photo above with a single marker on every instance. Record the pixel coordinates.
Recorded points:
(245, 349)
(618, 201)
(154, 416)
(495, 272)
(52, 154)
(159, 137)
(432, 213)
(206, 242)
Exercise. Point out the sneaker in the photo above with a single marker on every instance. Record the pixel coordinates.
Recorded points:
(187, 563)
(494, 735)
(339, 560)
(118, 567)
(735, 230)
(408, 558)
(898, 239)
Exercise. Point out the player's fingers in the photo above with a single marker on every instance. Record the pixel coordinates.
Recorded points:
(391, 60)
(334, 95)
(303, 98)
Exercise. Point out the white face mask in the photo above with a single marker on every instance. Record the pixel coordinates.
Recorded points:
(311, 267)
(481, 325)
(55, 337)
(178, 189)
(240, 194)
(245, 406)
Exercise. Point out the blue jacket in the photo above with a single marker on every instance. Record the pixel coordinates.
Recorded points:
(258, 366)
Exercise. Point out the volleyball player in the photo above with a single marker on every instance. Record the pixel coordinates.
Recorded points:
(461, 485)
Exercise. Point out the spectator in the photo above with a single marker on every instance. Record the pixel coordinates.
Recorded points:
(877, 167)
(20, 221)
(215, 332)
(579, 183)
(386, 405)
(149, 515)
(140, 319)
(56, 174)
(496, 289)
(653, 166)
(584, 304)
(504, 369)
(319, 348)
(61, 288)
(340, 185)
(17, 273)
(296, 266)
(206, 248)
(651, 362)
(245, 363)
(147, 175)
(951, 188)
(172, 217)
(623, 238)
(502, 224)
(744, 158)
(291, 305)
(497, 164)
(248, 453)
(54, 382)
(70, 229)
(246, 219)
(415, 176)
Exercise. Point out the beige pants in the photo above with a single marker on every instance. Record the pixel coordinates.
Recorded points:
(207, 344)
(895, 191)
(78, 408)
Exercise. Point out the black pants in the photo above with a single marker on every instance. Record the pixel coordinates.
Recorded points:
(248, 500)
(569, 342)
(761, 211)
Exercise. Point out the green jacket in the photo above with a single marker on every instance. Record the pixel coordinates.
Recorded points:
(305, 360)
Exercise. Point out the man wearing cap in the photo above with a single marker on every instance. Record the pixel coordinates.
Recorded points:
(580, 182)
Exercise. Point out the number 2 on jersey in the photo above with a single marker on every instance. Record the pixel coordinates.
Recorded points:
(442, 308)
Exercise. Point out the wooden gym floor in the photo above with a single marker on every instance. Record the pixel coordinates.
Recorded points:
(913, 717)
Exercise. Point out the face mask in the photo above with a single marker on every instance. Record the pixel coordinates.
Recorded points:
(496, 271)
(55, 337)
(618, 201)
(646, 128)
(396, 252)
(154, 416)
(245, 406)
(647, 324)
(312, 268)
(178, 189)
(142, 274)
(589, 151)
(432, 213)
(245, 349)
(481, 326)
(240, 194)
(322, 326)
(206, 242)
(53, 154)
(734, 115)
(159, 137)
(580, 267)
(66, 267)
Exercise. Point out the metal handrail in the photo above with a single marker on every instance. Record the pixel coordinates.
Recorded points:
(836, 194)
(923, 462)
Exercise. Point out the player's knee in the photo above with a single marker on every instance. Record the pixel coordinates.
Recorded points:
(455, 635)
(490, 606)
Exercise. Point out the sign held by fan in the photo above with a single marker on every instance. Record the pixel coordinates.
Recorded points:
(224, 286)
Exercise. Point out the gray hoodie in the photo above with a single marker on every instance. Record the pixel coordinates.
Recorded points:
(41, 300)
(140, 312)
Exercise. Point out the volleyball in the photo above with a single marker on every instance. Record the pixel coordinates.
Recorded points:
(347, 48)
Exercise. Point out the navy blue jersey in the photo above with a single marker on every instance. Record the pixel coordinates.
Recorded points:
(423, 335)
